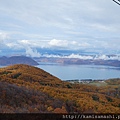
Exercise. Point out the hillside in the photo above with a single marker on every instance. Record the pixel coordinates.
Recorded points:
(4, 61)
(27, 89)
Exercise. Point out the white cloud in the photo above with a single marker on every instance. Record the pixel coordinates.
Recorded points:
(85, 57)
(105, 57)
(79, 56)
(11, 45)
(32, 52)
(3, 36)
(74, 24)
(54, 43)
(67, 44)
(26, 42)
(58, 43)
(34, 43)
(61, 14)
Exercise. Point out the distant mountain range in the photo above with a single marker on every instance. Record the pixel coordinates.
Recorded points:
(80, 61)
(4, 61)
(109, 60)
(114, 63)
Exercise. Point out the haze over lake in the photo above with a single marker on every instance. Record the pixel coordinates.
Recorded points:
(69, 72)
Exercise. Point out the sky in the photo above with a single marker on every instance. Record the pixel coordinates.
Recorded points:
(29, 26)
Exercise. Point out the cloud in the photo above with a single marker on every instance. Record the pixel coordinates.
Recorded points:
(58, 43)
(83, 24)
(85, 57)
(29, 49)
(53, 44)
(3, 36)
(32, 52)
(67, 44)
(64, 15)
(14, 46)
(79, 56)
(25, 42)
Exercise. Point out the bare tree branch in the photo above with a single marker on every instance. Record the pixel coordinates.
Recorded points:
(118, 2)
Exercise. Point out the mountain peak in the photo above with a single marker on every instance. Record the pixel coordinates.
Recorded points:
(29, 73)
(17, 60)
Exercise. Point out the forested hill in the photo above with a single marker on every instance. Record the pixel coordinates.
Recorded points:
(4, 61)
(27, 89)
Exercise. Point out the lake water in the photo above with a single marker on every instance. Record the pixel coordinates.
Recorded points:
(69, 72)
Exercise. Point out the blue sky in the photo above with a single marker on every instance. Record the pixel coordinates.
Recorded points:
(26, 26)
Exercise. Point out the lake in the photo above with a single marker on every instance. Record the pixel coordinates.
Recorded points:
(69, 72)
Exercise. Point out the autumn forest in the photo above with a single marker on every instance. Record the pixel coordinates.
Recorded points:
(28, 89)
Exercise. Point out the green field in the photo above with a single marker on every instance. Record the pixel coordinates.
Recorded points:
(97, 83)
